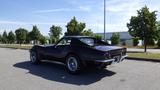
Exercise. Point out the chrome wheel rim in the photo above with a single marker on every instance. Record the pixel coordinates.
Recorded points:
(33, 57)
(72, 64)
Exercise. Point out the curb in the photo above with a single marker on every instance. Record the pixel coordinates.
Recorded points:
(143, 59)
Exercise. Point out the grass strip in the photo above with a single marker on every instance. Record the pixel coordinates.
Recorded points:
(25, 47)
(145, 55)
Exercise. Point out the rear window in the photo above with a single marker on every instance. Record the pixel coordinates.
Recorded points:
(88, 41)
(93, 41)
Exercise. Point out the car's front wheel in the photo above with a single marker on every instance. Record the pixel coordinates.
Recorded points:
(34, 57)
(73, 64)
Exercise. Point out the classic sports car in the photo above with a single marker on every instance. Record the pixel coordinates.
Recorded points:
(78, 52)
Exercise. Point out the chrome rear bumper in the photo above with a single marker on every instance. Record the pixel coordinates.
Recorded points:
(112, 60)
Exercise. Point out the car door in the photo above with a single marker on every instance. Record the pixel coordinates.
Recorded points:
(59, 51)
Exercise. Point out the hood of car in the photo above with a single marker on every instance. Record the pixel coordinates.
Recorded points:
(107, 48)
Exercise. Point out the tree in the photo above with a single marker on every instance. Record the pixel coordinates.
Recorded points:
(4, 37)
(143, 25)
(55, 32)
(115, 39)
(28, 39)
(158, 33)
(47, 39)
(11, 37)
(135, 41)
(98, 36)
(0, 38)
(21, 35)
(35, 34)
(42, 39)
(150, 42)
(74, 27)
(88, 32)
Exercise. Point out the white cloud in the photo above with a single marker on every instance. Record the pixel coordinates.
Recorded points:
(29, 23)
(85, 8)
(11, 22)
(55, 10)
(125, 5)
(80, 8)
(74, 2)
(118, 13)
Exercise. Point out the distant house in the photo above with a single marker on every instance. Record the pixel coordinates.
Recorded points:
(125, 38)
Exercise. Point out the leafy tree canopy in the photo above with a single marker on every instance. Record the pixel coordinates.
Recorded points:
(158, 29)
(35, 33)
(143, 25)
(21, 35)
(98, 36)
(42, 39)
(74, 27)
(135, 41)
(88, 32)
(0, 38)
(158, 32)
(55, 32)
(4, 37)
(115, 39)
(11, 37)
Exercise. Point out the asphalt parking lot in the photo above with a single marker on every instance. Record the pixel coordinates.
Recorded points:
(16, 73)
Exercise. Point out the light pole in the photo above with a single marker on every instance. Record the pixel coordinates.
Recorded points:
(104, 20)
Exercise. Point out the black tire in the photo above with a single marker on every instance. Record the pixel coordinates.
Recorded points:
(34, 59)
(73, 64)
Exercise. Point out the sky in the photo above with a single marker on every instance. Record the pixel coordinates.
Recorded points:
(45, 13)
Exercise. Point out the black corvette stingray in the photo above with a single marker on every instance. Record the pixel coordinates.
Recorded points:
(78, 52)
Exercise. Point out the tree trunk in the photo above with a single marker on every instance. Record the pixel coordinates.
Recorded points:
(145, 48)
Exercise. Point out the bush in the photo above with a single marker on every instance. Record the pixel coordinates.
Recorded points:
(135, 41)
(42, 39)
(150, 42)
(115, 39)
(97, 36)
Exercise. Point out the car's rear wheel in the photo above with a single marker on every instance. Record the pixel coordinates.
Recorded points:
(73, 64)
(34, 58)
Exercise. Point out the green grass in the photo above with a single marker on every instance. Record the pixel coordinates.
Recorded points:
(142, 47)
(15, 46)
(145, 55)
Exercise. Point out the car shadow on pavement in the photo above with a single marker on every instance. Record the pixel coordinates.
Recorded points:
(58, 73)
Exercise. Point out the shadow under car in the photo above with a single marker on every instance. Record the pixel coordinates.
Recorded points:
(55, 72)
